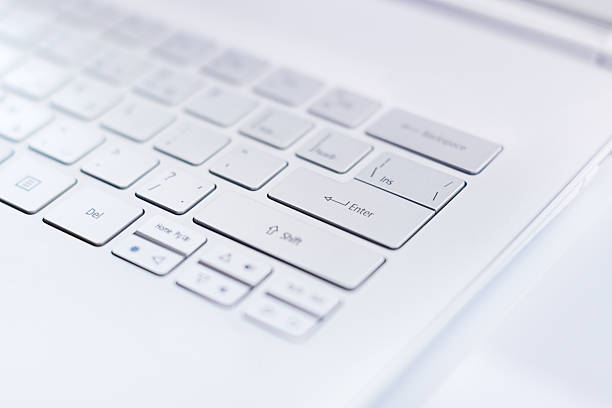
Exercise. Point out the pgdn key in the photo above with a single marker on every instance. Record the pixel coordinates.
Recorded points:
(355, 207)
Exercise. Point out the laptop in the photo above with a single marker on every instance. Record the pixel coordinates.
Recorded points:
(273, 204)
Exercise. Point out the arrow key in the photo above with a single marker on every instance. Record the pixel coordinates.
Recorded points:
(147, 255)
(212, 285)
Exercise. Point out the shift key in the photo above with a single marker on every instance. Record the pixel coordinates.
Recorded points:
(353, 206)
(303, 245)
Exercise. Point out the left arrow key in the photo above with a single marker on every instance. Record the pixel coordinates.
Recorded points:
(147, 255)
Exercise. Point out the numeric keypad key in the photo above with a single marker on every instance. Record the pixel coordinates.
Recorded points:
(247, 167)
(344, 107)
(221, 107)
(66, 141)
(236, 67)
(19, 119)
(116, 67)
(289, 87)
(184, 48)
(277, 128)
(86, 99)
(36, 78)
(167, 86)
(119, 166)
(137, 120)
(334, 150)
(191, 143)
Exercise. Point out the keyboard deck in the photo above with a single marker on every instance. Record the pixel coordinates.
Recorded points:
(92, 92)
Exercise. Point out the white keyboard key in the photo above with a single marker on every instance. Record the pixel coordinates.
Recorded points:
(36, 78)
(191, 143)
(353, 206)
(211, 284)
(221, 107)
(66, 141)
(23, 28)
(116, 67)
(175, 191)
(344, 107)
(277, 128)
(247, 167)
(280, 317)
(411, 180)
(30, 185)
(236, 67)
(309, 297)
(184, 48)
(285, 237)
(92, 215)
(167, 86)
(462, 151)
(6, 6)
(119, 166)
(137, 120)
(67, 47)
(19, 119)
(334, 150)
(136, 31)
(9, 58)
(5, 152)
(147, 255)
(289, 87)
(86, 99)
(236, 265)
(88, 14)
(167, 233)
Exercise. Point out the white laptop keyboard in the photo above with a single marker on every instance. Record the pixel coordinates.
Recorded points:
(94, 93)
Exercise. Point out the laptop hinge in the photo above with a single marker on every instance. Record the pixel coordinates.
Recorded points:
(604, 54)
(550, 27)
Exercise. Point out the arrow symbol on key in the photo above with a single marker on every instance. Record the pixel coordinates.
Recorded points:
(330, 198)
(158, 259)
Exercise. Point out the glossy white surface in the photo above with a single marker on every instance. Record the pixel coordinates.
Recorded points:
(141, 340)
(539, 335)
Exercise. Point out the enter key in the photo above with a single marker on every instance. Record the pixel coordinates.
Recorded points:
(353, 206)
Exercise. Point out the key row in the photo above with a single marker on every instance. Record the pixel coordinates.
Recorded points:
(139, 121)
(37, 79)
(225, 276)
(97, 217)
(369, 206)
(67, 142)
